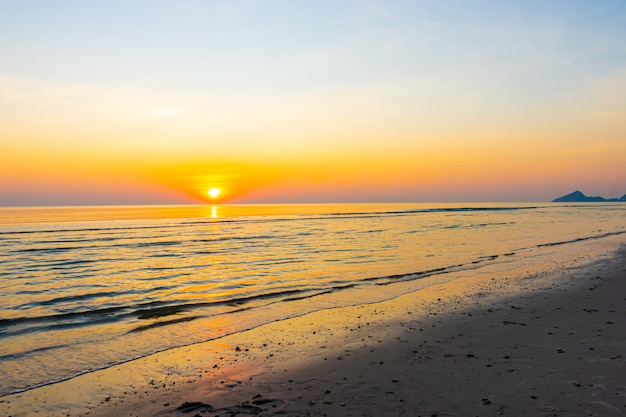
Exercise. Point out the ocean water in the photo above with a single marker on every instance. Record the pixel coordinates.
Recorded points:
(84, 288)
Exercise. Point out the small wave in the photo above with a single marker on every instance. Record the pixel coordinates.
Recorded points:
(580, 239)
(227, 238)
(479, 225)
(277, 262)
(111, 237)
(160, 312)
(431, 210)
(304, 297)
(51, 327)
(83, 230)
(88, 296)
(18, 355)
(67, 320)
(55, 249)
(164, 255)
(163, 323)
(72, 262)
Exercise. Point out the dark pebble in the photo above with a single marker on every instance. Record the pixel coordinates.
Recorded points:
(194, 406)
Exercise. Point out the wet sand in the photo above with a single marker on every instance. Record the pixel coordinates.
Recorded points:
(542, 343)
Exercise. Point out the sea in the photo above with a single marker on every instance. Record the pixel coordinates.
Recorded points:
(85, 288)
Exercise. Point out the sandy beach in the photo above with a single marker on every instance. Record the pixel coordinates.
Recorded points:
(545, 342)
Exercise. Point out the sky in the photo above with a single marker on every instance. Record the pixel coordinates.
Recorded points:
(293, 101)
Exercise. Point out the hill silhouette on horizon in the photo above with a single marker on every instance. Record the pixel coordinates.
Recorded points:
(579, 197)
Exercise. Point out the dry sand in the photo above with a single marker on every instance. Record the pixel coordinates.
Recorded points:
(542, 343)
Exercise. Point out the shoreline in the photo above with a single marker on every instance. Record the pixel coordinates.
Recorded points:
(535, 343)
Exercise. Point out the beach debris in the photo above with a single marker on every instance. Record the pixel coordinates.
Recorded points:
(242, 409)
(265, 401)
(187, 407)
(513, 322)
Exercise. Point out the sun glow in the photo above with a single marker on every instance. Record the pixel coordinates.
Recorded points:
(214, 192)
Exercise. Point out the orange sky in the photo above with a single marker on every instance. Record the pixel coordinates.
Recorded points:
(275, 102)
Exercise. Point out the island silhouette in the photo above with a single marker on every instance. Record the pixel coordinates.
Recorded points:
(579, 197)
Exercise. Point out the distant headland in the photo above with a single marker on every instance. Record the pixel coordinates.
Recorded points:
(579, 197)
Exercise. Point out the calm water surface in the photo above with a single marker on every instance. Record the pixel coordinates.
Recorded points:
(85, 288)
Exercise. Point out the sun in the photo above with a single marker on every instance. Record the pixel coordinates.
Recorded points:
(214, 192)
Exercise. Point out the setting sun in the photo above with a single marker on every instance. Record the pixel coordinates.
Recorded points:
(214, 192)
